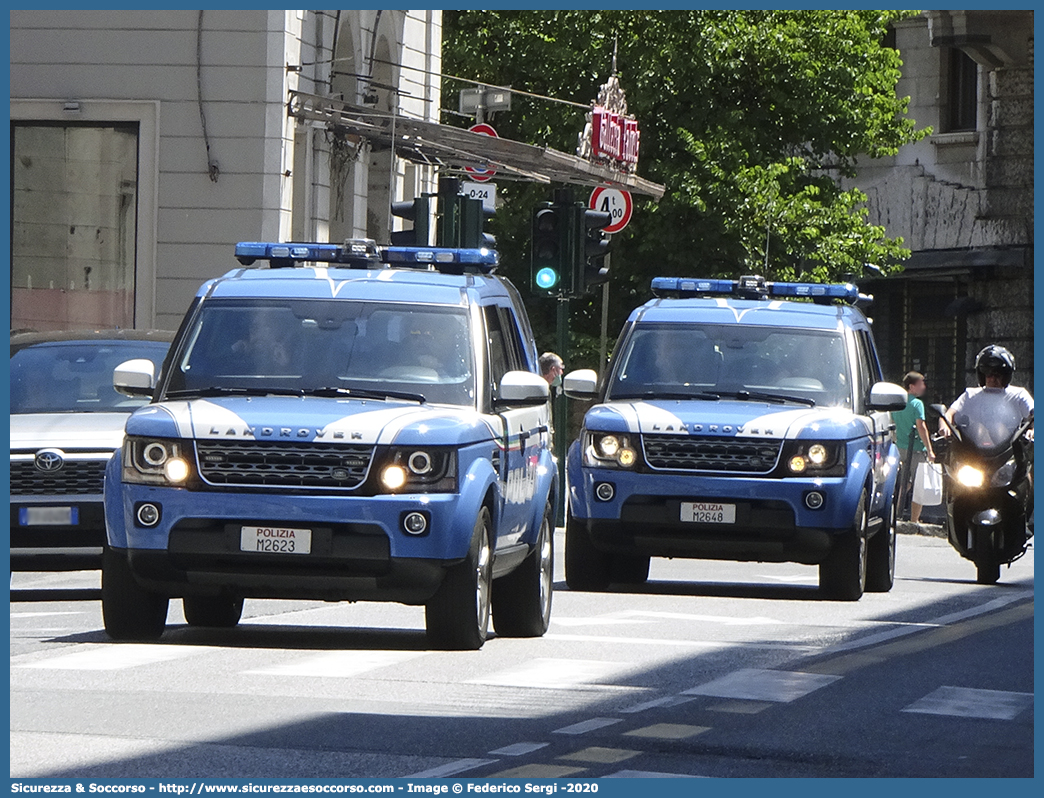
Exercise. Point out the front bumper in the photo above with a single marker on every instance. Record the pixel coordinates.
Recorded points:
(359, 549)
(776, 520)
(57, 546)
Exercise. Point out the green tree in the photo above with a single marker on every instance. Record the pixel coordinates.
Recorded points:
(749, 119)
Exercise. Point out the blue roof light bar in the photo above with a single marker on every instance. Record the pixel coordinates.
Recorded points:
(753, 287)
(364, 253)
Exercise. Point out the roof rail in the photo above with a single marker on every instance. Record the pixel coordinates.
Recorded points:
(364, 253)
(756, 287)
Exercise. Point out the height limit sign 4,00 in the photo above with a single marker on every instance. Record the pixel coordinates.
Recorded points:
(616, 203)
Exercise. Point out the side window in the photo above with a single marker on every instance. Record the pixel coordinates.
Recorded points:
(499, 358)
(512, 338)
(869, 371)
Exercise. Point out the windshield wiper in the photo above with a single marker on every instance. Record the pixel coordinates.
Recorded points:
(231, 391)
(776, 398)
(366, 393)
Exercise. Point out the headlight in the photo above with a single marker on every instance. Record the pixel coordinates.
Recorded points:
(419, 470)
(609, 450)
(814, 459)
(970, 476)
(156, 461)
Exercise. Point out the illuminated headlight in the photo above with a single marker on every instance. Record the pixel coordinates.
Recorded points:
(609, 450)
(419, 470)
(814, 459)
(156, 461)
(970, 476)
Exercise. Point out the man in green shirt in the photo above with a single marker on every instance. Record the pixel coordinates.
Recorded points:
(912, 438)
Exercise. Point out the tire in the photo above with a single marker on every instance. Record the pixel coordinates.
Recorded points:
(628, 569)
(880, 556)
(987, 573)
(129, 612)
(222, 612)
(457, 616)
(842, 576)
(522, 599)
(586, 568)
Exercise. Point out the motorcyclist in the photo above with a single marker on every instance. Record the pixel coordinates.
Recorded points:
(994, 367)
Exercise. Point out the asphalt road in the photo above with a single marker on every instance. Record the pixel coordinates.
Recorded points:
(711, 669)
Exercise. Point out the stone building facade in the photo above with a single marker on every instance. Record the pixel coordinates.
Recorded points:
(962, 199)
(145, 143)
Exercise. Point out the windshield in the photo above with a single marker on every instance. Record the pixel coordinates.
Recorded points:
(988, 420)
(76, 376)
(713, 361)
(326, 347)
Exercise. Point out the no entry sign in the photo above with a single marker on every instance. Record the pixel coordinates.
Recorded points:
(481, 175)
(616, 203)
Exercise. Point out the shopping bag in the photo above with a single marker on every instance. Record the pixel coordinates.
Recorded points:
(927, 490)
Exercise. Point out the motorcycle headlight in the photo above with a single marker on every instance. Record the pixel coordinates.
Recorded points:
(609, 450)
(156, 461)
(970, 476)
(419, 470)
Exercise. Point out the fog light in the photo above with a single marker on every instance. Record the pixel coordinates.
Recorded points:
(605, 491)
(148, 515)
(814, 500)
(414, 523)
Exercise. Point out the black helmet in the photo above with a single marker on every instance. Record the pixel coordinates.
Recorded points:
(994, 358)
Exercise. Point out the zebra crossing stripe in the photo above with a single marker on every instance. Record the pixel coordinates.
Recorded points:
(968, 702)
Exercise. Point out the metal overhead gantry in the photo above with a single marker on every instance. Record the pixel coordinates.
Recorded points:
(455, 148)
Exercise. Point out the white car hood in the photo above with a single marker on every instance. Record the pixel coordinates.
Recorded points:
(100, 431)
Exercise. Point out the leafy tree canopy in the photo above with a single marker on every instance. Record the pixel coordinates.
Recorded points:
(749, 119)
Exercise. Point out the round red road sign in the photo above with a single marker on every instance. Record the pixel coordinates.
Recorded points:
(616, 202)
(481, 175)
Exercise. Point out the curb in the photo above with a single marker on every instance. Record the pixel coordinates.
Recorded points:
(925, 530)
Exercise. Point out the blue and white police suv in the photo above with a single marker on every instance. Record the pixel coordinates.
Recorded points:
(341, 423)
(740, 420)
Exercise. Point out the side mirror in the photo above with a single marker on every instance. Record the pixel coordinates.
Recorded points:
(135, 377)
(581, 384)
(523, 388)
(887, 396)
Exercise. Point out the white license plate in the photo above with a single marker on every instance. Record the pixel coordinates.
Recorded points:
(275, 540)
(708, 513)
(48, 516)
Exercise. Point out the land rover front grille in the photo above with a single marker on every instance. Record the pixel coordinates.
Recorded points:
(694, 453)
(285, 465)
(74, 478)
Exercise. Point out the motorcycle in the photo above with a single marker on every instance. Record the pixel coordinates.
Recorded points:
(988, 487)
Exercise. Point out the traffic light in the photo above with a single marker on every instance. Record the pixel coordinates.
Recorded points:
(472, 221)
(590, 265)
(416, 211)
(550, 257)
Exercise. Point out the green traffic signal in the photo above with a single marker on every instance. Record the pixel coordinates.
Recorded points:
(549, 255)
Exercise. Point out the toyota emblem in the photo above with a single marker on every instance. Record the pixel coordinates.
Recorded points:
(50, 460)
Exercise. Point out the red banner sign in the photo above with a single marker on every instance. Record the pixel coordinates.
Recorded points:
(614, 136)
